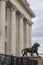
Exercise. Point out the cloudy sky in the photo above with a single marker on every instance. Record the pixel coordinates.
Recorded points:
(37, 29)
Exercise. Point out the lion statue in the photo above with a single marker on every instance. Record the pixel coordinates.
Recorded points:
(33, 49)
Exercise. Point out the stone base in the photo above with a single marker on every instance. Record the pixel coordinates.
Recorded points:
(14, 60)
(39, 59)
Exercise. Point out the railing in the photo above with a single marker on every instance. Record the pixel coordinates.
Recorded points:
(5, 59)
(13, 60)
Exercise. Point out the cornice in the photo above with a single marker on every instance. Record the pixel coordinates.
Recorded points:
(27, 7)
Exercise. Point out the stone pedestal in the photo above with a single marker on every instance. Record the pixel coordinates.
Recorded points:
(39, 59)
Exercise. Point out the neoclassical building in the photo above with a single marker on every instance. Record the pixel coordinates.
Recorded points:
(15, 26)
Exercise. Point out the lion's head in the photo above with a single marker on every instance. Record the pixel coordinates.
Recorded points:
(36, 45)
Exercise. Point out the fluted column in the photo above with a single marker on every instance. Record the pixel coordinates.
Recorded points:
(13, 31)
(2, 26)
(21, 34)
(30, 33)
(27, 35)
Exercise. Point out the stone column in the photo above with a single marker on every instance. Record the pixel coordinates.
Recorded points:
(17, 34)
(21, 34)
(27, 34)
(30, 33)
(2, 26)
(13, 31)
(8, 39)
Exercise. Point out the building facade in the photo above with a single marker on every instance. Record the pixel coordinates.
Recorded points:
(15, 26)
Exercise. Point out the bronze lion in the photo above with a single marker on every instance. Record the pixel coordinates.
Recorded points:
(33, 49)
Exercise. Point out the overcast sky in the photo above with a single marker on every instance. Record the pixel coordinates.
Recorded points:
(37, 29)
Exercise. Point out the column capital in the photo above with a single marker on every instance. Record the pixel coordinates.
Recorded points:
(21, 15)
(30, 23)
(13, 8)
(26, 21)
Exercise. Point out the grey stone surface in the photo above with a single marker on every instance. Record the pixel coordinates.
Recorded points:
(39, 59)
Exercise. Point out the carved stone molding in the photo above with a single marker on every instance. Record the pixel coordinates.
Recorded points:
(30, 23)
